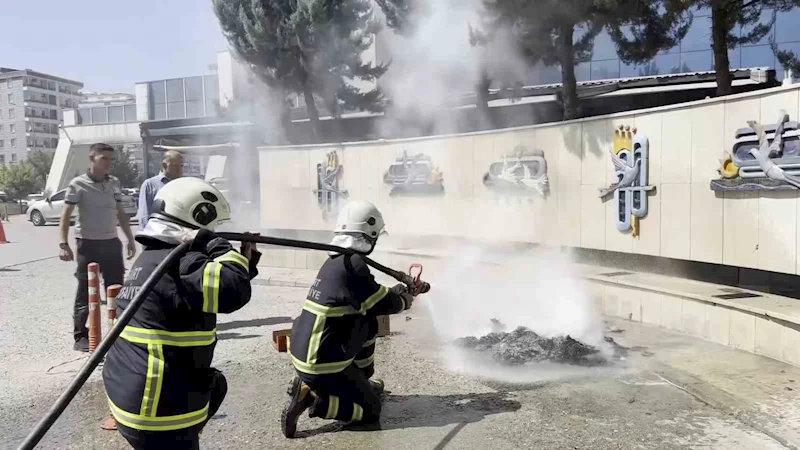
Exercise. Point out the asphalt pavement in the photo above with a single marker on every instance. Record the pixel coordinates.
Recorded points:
(670, 392)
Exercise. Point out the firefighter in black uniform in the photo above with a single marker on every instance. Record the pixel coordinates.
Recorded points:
(333, 339)
(158, 376)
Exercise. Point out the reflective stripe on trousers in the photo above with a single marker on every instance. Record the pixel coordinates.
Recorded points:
(160, 423)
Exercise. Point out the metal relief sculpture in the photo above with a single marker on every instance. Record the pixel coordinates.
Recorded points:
(763, 157)
(630, 157)
(328, 193)
(520, 171)
(415, 175)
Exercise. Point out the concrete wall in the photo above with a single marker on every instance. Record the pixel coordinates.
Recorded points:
(686, 220)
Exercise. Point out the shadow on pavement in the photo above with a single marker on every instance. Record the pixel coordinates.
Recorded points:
(423, 411)
(253, 323)
(226, 336)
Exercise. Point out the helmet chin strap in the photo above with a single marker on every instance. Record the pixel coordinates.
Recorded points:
(173, 219)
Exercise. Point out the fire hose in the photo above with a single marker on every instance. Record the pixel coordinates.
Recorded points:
(415, 287)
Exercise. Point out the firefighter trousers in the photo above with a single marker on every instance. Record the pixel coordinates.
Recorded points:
(183, 438)
(347, 396)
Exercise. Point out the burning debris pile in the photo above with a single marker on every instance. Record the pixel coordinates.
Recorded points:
(523, 346)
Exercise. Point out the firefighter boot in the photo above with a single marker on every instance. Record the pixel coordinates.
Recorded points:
(377, 385)
(301, 399)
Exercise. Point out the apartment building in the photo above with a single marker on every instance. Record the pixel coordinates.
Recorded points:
(31, 105)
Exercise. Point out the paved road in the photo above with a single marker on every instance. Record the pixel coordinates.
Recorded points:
(671, 392)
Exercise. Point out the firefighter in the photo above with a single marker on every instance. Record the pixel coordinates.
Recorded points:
(158, 376)
(333, 339)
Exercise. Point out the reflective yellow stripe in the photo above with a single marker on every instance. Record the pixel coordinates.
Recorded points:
(316, 339)
(329, 311)
(163, 423)
(374, 298)
(236, 257)
(173, 338)
(362, 363)
(371, 341)
(159, 380)
(148, 384)
(155, 376)
(211, 276)
(333, 407)
(320, 368)
(358, 413)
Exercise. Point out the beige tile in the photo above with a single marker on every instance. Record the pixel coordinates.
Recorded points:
(595, 290)
(737, 113)
(651, 308)
(676, 142)
(284, 258)
(595, 163)
(267, 258)
(593, 218)
(352, 175)
(456, 165)
(301, 259)
(708, 142)
(777, 231)
(790, 345)
(743, 331)
(616, 241)
(675, 220)
(706, 224)
(694, 318)
(649, 240)
(649, 125)
(719, 325)
(569, 213)
(630, 305)
(611, 300)
(671, 312)
(768, 338)
(771, 106)
(316, 260)
(567, 141)
(740, 240)
(483, 157)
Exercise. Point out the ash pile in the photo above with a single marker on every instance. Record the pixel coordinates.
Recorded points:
(523, 346)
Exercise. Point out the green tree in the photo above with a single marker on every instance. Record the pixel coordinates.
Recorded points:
(312, 48)
(125, 169)
(734, 23)
(18, 180)
(562, 32)
(41, 163)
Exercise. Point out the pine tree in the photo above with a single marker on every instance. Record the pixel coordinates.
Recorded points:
(311, 48)
(562, 32)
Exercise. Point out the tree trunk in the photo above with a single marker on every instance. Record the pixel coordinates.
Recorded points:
(719, 32)
(313, 113)
(569, 84)
(482, 101)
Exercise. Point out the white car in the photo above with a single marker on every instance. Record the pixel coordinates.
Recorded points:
(47, 210)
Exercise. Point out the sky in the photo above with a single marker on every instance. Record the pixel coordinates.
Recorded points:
(111, 44)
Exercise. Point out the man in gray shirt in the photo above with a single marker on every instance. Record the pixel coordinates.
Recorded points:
(97, 196)
(171, 168)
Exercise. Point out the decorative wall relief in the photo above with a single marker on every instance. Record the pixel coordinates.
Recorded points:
(763, 157)
(521, 171)
(415, 175)
(630, 156)
(328, 193)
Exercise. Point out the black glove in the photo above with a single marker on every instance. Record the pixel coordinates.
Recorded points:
(402, 290)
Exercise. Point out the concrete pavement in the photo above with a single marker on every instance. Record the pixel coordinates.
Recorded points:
(672, 392)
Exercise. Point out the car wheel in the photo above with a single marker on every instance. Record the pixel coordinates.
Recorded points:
(37, 218)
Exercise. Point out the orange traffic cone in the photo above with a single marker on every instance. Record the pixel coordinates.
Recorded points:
(2, 234)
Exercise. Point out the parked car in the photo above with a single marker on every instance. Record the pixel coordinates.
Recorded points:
(46, 210)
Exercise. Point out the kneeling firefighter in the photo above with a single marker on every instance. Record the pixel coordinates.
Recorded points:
(333, 339)
(158, 376)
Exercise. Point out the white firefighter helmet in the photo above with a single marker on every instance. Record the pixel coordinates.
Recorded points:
(191, 202)
(360, 217)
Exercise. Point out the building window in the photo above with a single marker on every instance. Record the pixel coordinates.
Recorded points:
(12, 128)
(130, 113)
(115, 114)
(2, 131)
(84, 116)
(211, 89)
(10, 83)
(194, 96)
(2, 157)
(176, 108)
(51, 85)
(52, 99)
(10, 113)
(54, 114)
(53, 128)
(54, 143)
(158, 100)
(99, 115)
(13, 143)
(2, 143)
(13, 155)
(11, 98)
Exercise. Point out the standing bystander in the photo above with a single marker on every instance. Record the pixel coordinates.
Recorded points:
(171, 168)
(97, 196)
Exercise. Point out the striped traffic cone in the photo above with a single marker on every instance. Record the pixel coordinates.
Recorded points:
(95, 331)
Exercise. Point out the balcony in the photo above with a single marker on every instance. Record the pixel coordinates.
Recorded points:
(33, 100)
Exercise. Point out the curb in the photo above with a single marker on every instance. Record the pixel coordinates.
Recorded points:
(282, 282)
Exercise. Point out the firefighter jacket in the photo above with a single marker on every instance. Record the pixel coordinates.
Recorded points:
(157, 373)
(339, 316)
